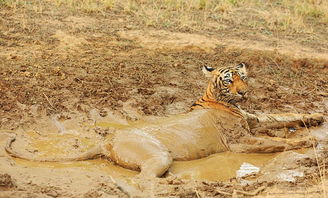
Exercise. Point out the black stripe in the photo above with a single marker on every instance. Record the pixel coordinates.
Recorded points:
(206, 94)
(210, 69)
(215, 83)
(195, 104)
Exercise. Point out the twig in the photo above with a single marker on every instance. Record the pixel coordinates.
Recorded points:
(255, 192)
(324, 94)
(175, 177)
(321, 173)
(119, 187)
(222, 192)
(274, 62)
(197, 194)
(49, 101)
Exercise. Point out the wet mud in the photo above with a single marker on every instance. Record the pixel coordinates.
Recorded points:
(79, 79)
(236, 170)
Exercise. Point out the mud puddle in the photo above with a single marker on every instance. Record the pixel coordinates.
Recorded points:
(97, 165)
(217, 167)
(71, 137)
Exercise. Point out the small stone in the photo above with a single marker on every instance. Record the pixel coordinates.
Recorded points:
(103, 113)
(247, 169)
(52, 193)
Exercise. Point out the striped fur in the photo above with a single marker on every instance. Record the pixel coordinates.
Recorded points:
(226, 87)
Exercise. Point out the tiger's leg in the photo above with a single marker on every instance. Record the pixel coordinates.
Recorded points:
(283, 120)
(251, 144)
(139, 151)
(290, 119)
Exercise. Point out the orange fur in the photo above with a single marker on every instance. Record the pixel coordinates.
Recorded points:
(209, 100)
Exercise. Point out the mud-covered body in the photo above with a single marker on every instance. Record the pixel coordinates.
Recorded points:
(187, 136)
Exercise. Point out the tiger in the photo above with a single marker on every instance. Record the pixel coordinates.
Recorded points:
(228, 87)
(216, 123)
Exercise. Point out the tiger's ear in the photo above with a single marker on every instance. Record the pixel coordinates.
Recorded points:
(241, 66)
(208, 71)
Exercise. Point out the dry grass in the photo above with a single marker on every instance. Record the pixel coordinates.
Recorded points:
(273, 15)
(322, 174)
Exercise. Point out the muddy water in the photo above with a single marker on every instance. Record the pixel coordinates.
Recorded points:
(98, 165)
(217, 167)
(53, 144)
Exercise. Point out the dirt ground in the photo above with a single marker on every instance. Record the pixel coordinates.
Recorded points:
(62, 71)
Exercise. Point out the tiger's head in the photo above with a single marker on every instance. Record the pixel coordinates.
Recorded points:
(227, 84)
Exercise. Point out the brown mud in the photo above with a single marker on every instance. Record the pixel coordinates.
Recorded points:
(67, 80)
